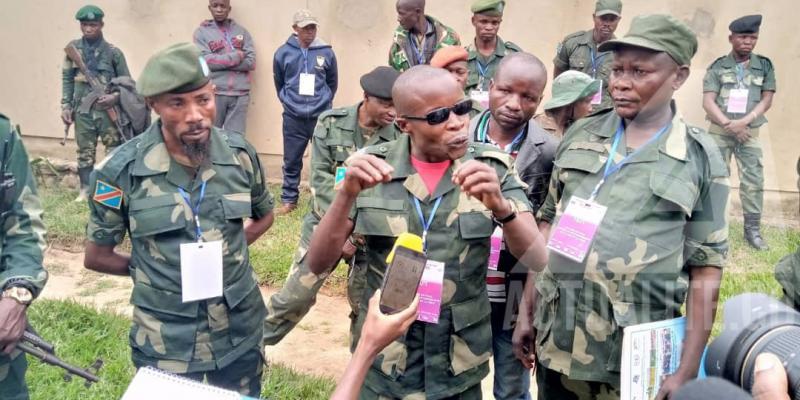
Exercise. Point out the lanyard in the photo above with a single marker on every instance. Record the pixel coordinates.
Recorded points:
(740, 75)
(426, 224)
(595, 61)
(612, 169)
(305, 58)
(483, 129)
(420, 53)
(195, 209)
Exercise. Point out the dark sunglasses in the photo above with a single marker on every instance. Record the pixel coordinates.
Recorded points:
(440, 115)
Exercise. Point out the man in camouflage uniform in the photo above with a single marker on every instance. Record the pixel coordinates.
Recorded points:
(418, 36)
(737, 90)
(486, 51)
(21, 246)
(339, 133)
(579, 51)
(389, 189)
(787, 272)
(79, 105)
(180, 183)
(665, 205)
(571, 100)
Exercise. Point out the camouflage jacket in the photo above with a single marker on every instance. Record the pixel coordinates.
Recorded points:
(337, 136)
(74, 85)
(666, 212)
(22, 237)
(482, 69)
(434, 360)
(401, 54)
(721, 76)
(168, 333)
(578, 51)
(548, 124)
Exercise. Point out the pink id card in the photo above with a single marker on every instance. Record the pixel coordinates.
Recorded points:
(430, 292)
(575, 230)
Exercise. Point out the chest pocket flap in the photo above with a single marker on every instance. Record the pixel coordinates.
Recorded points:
(582, 157)
(153, 215)
(475, 225)
(680, 195)
(381, 217)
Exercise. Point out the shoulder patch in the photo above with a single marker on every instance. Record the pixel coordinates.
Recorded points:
(487, 151)
(107, 195)
(716, 164)
(378, 150)
(573, 35)
(513, 46)
(715, 62)
(336, 112)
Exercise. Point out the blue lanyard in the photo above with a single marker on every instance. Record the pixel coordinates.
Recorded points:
(612, 168)
(482, 69)
(483, 136)
(305, 58)
(595, 61)
(426, 224)
(740, 75)
(420, 53)
(195, 209)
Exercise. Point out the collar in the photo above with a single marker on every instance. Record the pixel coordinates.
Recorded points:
(729, 62)
(588, 38)
(349, 122)
(499, 49)
(474, 125)
(400, 159)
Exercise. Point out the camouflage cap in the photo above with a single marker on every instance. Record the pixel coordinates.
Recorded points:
(605, 7)
(177, 69)
(379, 82)
(570, 87)
(488, 7)
(658, 32)
(746, 24)
(303, 18)
(89, 13)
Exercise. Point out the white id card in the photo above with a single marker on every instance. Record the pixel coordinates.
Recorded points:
(481, 97)
(598, 97)
(201, 270)
(737, 101)
(575, 230)
(307, 84)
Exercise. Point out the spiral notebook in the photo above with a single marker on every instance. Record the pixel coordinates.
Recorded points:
(154, 384)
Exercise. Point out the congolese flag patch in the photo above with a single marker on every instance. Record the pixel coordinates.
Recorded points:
(107, 195)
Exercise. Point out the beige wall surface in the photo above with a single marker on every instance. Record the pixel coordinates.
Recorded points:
(34, 33)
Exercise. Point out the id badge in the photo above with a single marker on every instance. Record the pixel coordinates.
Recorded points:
(575, 230)
(495, 247)
(307, 84)
(338, 179)
(430, 292)
(598, 97)
(201, 270)
(737, 101)
(481, 97)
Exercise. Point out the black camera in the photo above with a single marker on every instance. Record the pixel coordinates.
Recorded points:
(753, 324)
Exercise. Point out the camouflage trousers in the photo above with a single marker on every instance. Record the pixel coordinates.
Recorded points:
(749, 159)
(557, 386)
(88, 128)
(242, 375)
(286, 308)
(469, 394)
(12, 376)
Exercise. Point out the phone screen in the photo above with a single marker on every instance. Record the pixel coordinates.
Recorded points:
(401, 280)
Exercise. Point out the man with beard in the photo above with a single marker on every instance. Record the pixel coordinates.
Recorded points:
(418, 36)
(339, 133)
(514, 94)
(230, 54)
(737, 91)
(486, 51)
(579, 51)
(636, 207)
(82, 106)
(433, 183)
(191, 197)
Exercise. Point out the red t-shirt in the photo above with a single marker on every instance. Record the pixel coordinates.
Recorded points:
(431, 173)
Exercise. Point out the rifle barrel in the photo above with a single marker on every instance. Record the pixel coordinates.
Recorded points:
(51, 359)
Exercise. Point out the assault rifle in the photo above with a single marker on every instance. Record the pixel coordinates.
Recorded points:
(37, 347)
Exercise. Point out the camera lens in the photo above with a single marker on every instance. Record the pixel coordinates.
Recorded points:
(753, 324)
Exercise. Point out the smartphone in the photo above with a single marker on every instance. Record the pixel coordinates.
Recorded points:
(401, 280)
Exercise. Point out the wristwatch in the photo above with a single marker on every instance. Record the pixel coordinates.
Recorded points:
(20, 294)
(508, 218)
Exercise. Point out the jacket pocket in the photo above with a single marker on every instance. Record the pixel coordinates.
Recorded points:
(163, 325)
(381, 217)
(246, 308)
(663, 216)
(629, 314)
(471, 339)
(154, 215)
(546, 304)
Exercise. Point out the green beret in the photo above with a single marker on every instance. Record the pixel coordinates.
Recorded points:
(489, 7)
(605, 7)
(571, 86)
(379, 82)
(177, 69)
(746, 24)
(660, 33)
(89, 13)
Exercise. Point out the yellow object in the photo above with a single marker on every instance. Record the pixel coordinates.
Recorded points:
(407, 240)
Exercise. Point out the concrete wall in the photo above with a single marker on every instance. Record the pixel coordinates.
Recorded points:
(35, 32)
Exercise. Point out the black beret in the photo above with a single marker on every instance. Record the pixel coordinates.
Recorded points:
(746, 24)
(379, 82)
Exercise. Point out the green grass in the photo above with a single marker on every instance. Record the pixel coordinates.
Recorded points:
(82, 334)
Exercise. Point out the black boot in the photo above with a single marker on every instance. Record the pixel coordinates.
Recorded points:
(752, 231)
(83, 176)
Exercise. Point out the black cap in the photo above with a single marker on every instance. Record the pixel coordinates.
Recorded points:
(746, 24)
(379, 82)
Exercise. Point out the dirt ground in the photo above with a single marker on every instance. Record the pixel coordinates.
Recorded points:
(317, 346)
